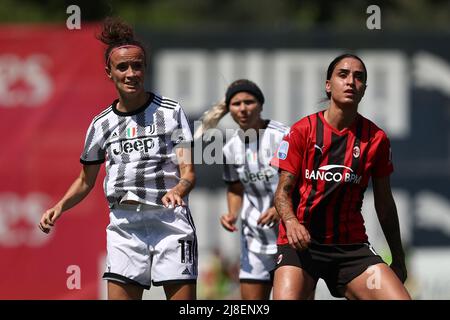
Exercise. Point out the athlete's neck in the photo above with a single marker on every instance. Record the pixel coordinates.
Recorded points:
(130, 103)
(260, 124)
(340, 118)
(257, 125)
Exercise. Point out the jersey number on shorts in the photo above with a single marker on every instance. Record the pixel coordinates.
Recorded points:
(186, 246)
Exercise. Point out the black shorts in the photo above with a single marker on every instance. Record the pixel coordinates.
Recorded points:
(337, 265)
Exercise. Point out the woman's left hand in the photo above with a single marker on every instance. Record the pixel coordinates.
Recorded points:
(269, 218)
(172, 199)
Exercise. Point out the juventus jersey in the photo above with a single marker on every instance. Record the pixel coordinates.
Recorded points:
(139, 149)
(333, 169)
(249, 163)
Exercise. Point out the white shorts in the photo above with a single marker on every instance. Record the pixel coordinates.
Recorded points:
(255, 267)
(151, 246)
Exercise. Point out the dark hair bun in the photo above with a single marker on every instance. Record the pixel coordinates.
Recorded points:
(115, 31)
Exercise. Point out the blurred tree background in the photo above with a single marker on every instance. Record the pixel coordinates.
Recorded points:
(295, 15)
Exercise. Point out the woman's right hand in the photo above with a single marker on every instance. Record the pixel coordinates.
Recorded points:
(228, 221)
(297, 234)
(49, 218)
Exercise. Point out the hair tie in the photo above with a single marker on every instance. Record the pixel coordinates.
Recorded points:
(246, 87)
(120, 47)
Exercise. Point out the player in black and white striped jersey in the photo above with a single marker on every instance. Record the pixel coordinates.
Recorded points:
(140, 148)
(246, 163)
(251, 183)
(145, 140)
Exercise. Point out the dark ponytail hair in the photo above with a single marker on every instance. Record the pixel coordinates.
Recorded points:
(336, 60)
(116, 33)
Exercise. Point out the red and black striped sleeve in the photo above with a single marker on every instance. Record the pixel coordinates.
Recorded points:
(289, 155)
(383, 157)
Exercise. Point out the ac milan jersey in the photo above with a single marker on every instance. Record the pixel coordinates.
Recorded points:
(139, 149)
(333, 169)
(249, 163)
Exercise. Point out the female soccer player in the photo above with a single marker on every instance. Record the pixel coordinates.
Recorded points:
(251, 183)
(333, 154)
(141, 136)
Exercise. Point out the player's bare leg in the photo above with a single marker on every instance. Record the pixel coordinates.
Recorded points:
(381, 284)
(293, 283)
(255, 291)
(122, 291)
(187, 291)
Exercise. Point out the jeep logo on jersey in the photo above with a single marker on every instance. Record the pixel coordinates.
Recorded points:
(327, 173)
(138, 145)
(263, 175)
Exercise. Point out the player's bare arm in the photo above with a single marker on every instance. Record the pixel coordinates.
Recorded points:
(269, 217)
(187, 179)
(235, 192)
(388, 217)
(79, 189)
(297, 234)
(283, 202)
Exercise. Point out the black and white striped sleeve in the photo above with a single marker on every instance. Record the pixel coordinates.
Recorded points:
(94, 152)
(183, 135)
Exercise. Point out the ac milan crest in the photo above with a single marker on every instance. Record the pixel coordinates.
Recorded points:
(356, 152)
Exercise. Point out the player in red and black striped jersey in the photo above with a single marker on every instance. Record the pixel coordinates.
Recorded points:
(331, 156)
(335, 175)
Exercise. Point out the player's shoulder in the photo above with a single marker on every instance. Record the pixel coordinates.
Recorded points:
(231, 143)
(374, 130)
(304, 124)
(166, 102)
(104, 114)
(278, 127)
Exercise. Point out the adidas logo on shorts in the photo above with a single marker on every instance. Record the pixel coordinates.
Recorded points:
(186, 271)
